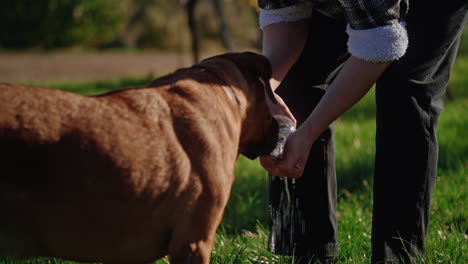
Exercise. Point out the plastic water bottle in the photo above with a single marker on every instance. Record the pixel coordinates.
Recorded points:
(286, 127)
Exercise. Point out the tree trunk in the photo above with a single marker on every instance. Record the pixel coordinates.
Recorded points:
(225, 33)
(195, 42)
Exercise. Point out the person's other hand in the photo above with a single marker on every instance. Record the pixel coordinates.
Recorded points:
(291, 164)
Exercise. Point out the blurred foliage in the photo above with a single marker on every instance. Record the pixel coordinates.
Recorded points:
(59, 23)
(463, 48)
(162, 24)
(156, 24)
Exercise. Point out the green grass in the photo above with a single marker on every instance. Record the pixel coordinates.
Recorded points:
(242, 236)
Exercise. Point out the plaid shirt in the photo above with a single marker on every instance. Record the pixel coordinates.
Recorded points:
(360, 14)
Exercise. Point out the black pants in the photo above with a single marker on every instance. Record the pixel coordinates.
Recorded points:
(409, 98)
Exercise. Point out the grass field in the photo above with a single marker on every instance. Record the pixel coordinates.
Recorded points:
(242, 237)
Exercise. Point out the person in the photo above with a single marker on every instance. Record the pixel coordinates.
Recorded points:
(406, 48)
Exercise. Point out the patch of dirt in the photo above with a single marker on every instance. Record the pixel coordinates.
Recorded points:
(64, 67)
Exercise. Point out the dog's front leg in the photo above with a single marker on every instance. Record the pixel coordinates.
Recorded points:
(193, 240)
(193, 253)
(193, 237)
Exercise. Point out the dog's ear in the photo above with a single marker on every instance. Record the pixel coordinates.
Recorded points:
(267, 88)
(263, 66)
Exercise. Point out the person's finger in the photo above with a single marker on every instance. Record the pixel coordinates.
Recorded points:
(289, 171)
(281, 169)
(269, 164)
(288, 167)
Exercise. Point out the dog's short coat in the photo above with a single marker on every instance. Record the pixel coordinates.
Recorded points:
(132, 175)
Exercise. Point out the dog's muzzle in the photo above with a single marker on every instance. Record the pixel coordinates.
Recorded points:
(266, 145)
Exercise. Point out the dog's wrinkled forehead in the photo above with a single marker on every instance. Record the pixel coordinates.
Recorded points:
(255, 66)
(251, 63)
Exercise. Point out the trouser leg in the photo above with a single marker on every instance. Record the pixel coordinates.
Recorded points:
(302, 214)
(409, 98)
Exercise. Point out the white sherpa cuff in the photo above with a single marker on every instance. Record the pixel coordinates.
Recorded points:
(287, 14)
(380, 44)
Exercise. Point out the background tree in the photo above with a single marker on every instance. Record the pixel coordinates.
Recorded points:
(182, 26)
(59, 23)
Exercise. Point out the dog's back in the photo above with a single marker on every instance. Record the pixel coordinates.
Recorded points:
(75, 169)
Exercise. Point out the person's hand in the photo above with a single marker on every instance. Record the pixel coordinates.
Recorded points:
(291, 164)
(280, 108)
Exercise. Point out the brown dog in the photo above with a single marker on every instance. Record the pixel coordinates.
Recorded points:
(132, 175)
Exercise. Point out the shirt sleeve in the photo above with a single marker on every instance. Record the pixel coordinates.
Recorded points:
(376, 29)
(272, 14)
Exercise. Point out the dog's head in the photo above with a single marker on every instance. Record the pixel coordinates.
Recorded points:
(259, 133)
